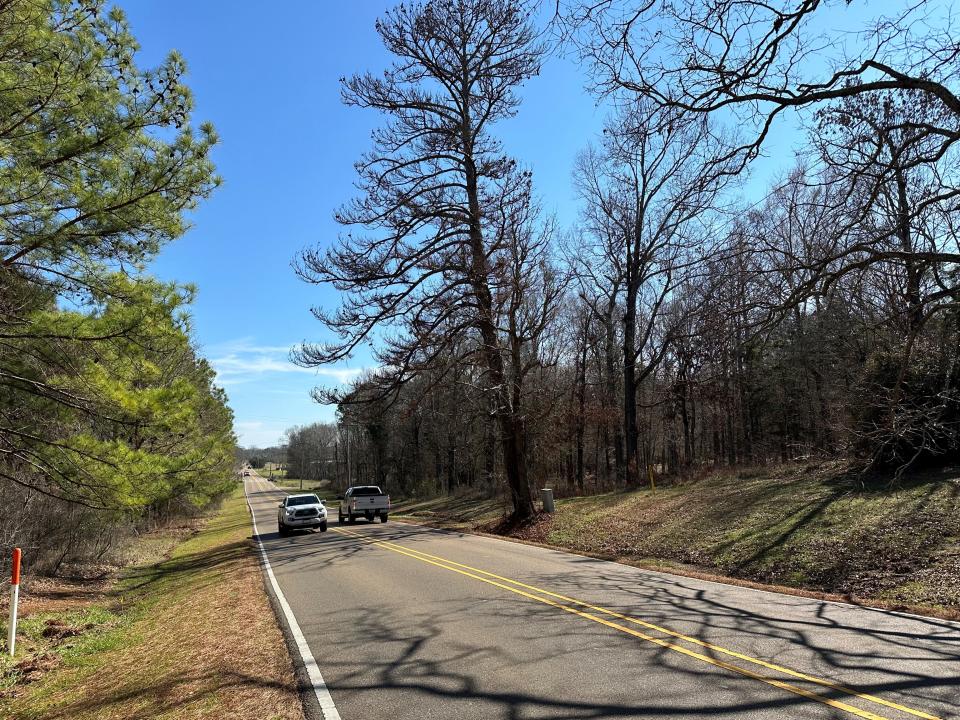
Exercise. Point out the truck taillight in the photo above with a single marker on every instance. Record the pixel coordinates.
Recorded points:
(389, 506)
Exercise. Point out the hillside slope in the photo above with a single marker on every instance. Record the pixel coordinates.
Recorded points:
(813, 527)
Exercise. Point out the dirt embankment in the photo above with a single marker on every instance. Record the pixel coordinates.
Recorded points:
(813, 528)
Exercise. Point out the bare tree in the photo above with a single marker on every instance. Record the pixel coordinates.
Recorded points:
(899, 193)
(756, 60)
(434, 188)
(647, 190)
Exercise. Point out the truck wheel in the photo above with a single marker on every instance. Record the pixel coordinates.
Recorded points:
(339, 517)
(323, 526)
(383, 518)
(351, 519)
(281, 528)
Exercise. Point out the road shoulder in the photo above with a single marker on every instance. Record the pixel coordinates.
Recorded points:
(190, 636)
(314, 696)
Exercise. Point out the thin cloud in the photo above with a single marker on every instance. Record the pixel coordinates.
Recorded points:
(242, 361)
(259, 434)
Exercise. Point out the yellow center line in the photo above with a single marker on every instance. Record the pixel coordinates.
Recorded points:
(756, 661)
(514, 587)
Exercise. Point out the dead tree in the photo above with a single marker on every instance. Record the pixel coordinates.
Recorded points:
(647, 190)
(757, 60)
(415, 265)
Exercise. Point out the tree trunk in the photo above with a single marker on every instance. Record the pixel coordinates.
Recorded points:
(611, 383)
(630, 385)
(490, 451)
(581, 406)
(512, 430)
(687, 426)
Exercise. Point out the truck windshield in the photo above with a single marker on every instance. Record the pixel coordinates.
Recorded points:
(303, 500)
(366, 490)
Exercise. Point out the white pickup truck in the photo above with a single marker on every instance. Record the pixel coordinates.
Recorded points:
(301, 511)
(366, 500)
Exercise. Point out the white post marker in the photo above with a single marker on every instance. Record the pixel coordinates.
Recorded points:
(14, 599)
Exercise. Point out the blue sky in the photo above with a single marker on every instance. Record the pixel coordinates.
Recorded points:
(267, 77)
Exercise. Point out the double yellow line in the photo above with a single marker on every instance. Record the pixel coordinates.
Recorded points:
(596, 614)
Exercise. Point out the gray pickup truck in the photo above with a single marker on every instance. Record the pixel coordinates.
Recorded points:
(364, 500)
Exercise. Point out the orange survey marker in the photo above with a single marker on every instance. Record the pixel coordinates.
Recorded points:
(14, 599)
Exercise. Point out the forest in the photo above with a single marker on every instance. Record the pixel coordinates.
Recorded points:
(110, 419)
(682, 323)
(685, 322)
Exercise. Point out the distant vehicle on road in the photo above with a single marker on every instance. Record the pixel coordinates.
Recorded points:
(302, 511)
(366, 500)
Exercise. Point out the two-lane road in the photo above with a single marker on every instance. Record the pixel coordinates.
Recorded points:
(407, 622)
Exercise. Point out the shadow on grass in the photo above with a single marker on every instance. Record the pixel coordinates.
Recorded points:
(185, 569)
(458, 508)
(167, 696)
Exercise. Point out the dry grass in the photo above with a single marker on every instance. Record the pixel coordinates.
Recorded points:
(88, 566)
(193, 636)
(46, 595)
(79, 586)
(814, 528)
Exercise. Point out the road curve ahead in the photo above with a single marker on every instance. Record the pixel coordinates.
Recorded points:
(412, 623)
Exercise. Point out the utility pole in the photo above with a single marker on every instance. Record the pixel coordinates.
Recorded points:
(336, 461)
(349, 479)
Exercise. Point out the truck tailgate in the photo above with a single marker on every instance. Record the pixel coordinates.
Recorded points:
(370, 502)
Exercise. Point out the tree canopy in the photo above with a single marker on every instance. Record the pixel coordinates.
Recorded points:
(105, 403)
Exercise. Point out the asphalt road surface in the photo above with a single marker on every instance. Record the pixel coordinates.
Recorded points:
(408, 622)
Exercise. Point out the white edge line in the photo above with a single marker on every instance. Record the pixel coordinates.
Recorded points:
(327, 708)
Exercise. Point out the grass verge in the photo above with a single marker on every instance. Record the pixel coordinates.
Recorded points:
(810, 527)
(193, 636)
(275, 470)
(322, 488)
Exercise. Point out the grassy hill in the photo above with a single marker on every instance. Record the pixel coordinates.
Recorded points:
(813, 527)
